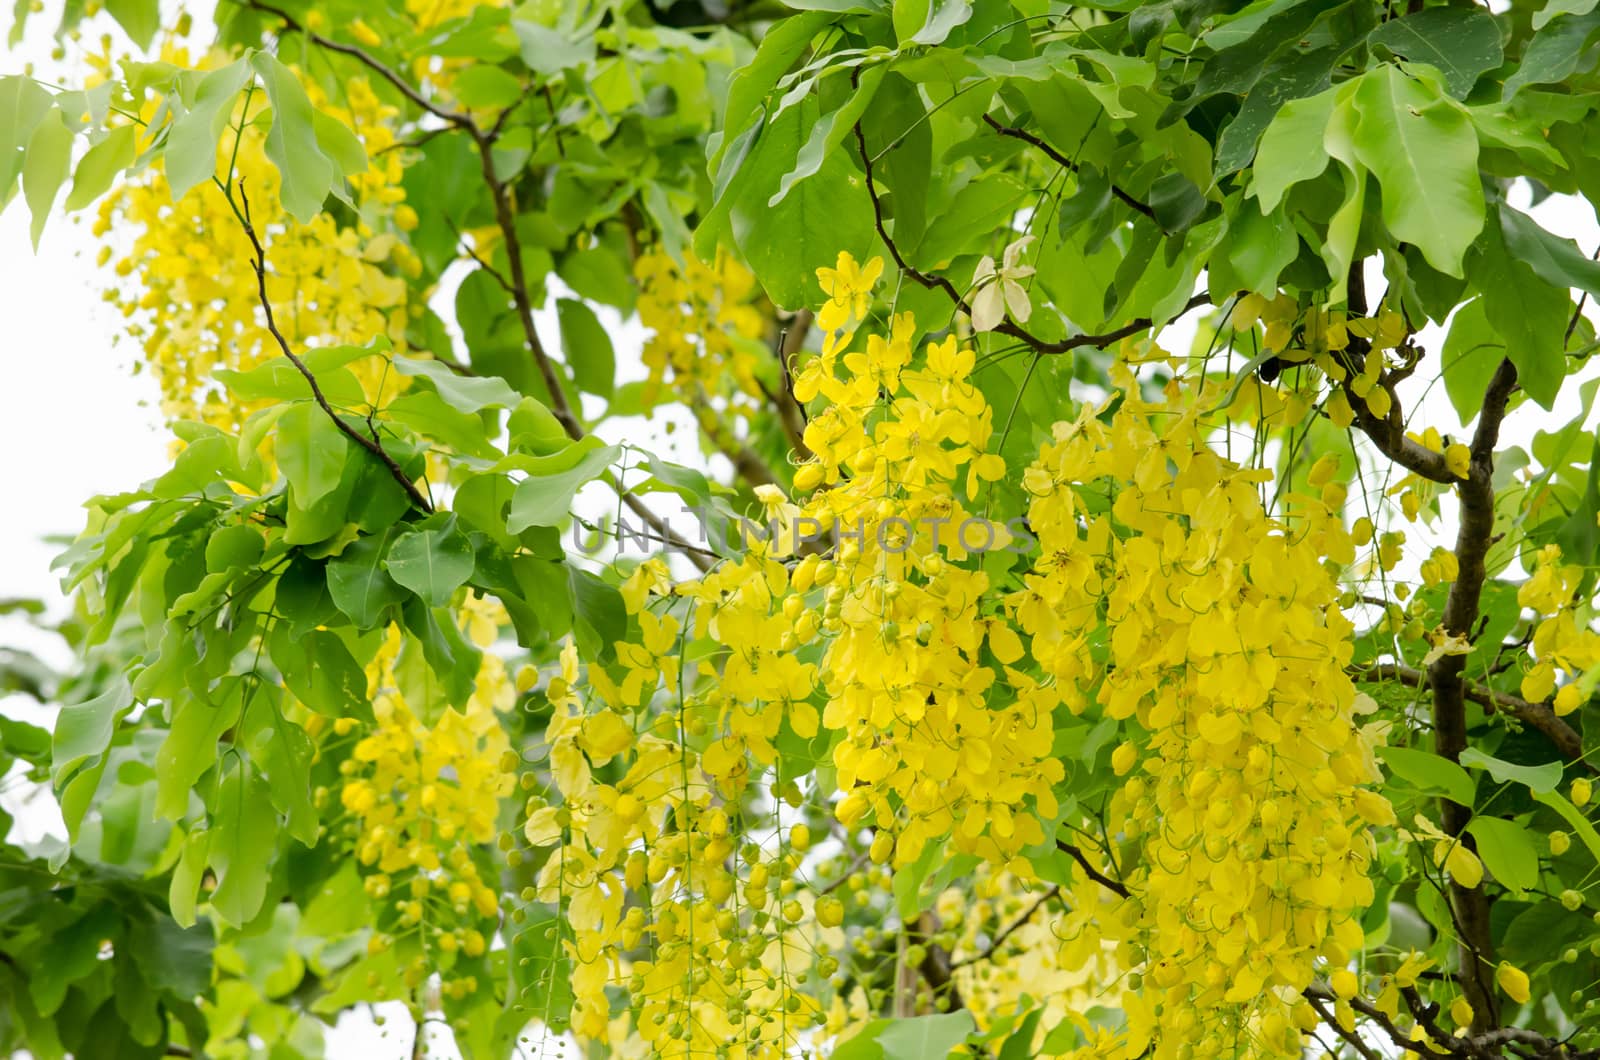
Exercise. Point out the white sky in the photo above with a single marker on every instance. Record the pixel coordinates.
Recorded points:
(76, 421)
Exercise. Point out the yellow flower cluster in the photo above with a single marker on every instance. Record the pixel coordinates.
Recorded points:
(707, 335)
(187, 285)
(424, 788)
(711, 946)
(1244, 802)
(931, 742)
(1241, 841)
(1563, 643)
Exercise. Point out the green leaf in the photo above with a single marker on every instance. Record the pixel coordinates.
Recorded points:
(600, 275)
(279, 380)
(544, 498)
(243, 825)
(342, 147)
(234, 547)
(1472, 351)
(1557, 8)
(191, 151)
(1574, 817)
(826, 135)
(1429, 772)
(1539, 779)
(1462, 43)
(897, 117)
(462, 393)
(1529, 314)
(139, 19)
(1556, 261)
(312, 452)
(925, 1037)
(1290, 76)
(481, 86)
(1292, 148)
(1507, 848)
(928, 21)
(46, 167)
(432, 562)
(184, 889)
(22, 104)
(190, 749)
(821, 216)
(319, 669)
(534, 428)
(285, 751)
(1261, 248)
(454, 661)
(1553, 54)
(307, 174)
(1424, 152)
(550, 51)
(600, 619)
(862, 1045)
(359, 584)
(1019, 1045)
(100, 166)
(425, 412)
(586, 348)
(84, 730)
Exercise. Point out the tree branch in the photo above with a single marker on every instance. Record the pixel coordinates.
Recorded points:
(1114, 886)
(1350, 1037)
(505, 219)
(1060, 159)
(1476, 494)
(371, 62)
(1539, 715)
(259, 264)
(1009, 930)
(1007, 326)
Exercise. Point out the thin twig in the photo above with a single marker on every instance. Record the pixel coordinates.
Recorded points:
(1114, 886)
(371, 446)
(1005, 327)
(1009, 930)
(1060, 159)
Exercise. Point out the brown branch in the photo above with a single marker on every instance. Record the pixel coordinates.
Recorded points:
(371, 62)
(1009, 930)
(1060, 159)
(1476, 531)
(1007, 326)
(259, 264)
(790, 413)
(1351, 1037)
(1114, 886)
(505, 218)
(1388, 433)
(1317, 992)
(1539, 715)
(935, 967)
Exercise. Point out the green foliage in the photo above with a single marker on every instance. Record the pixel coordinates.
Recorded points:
(230, 609)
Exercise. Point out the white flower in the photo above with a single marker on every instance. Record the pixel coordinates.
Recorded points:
(998, 289)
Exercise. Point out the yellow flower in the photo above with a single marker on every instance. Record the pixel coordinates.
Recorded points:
(849, 290)
(1512, 980)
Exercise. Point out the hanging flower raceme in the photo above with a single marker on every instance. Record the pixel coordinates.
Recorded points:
(1245, 805)
(654, 862)
(706, 344)
(424, 787)
(186, 283)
